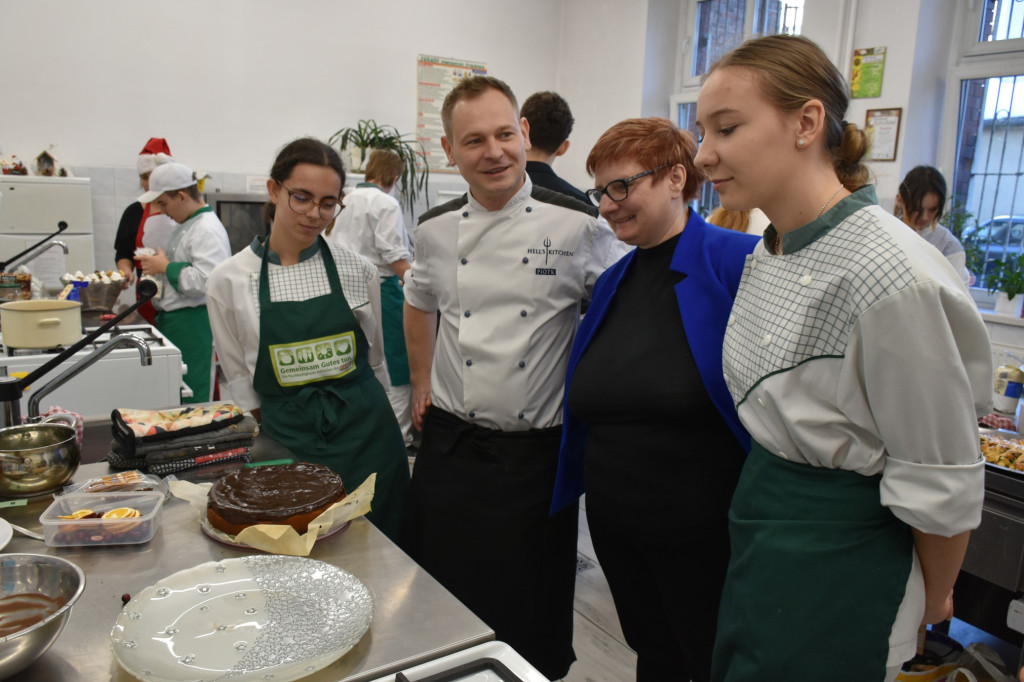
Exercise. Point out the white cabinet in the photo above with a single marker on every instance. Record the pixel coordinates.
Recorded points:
(32, 207)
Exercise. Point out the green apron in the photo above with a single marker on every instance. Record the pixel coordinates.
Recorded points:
(189, 330)
(818, 570)
(320, 398)
(392, 303)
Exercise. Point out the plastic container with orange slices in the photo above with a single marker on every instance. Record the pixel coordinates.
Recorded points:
(98, 519)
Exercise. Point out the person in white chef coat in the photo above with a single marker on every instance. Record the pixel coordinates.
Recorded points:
(195, 246)
(297, 326)
(859, 364)
(372, 226)
(506, 266)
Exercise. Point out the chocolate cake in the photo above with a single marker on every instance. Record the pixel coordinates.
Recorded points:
(287, 494)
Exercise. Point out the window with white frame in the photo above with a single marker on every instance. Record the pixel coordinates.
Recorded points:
(713, 28)
(985, 102)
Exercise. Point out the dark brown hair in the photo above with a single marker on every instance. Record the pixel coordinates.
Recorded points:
(652, 142)
(793, 70)
(918, 183)
(549, 118)
(303, 150)
(472, 87)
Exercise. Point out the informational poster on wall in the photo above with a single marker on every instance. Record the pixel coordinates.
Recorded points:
(883, 129)
(436, 76)
(868, 69)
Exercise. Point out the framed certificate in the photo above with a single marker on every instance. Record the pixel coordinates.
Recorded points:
(883, 129)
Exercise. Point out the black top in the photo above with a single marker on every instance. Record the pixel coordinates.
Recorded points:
(653, 432)
(542, 175)
(127, 231)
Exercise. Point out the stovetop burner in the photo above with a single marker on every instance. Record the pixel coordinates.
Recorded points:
(143, 331)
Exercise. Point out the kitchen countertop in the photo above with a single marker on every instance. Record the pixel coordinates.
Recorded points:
(415, 618)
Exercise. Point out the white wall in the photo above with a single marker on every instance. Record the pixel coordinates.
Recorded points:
(228, 82)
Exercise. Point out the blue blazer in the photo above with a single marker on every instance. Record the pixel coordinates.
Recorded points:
(711, 259)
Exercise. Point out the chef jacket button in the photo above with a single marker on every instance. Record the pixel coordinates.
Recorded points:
(472, 415)
(525, 259)
(469, 363)
(805, 280)
(465, 260)
(522, 414)
(784, 456)
(522, 363)
(760, 402)
(467, 313)
(522, 313)
(766, 340)
(465, 214)
(529, 208)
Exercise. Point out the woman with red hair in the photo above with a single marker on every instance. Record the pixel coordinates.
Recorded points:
(650, 432)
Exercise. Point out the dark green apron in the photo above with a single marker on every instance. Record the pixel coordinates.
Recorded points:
(818, 570)
(392, 303)
(320, 398)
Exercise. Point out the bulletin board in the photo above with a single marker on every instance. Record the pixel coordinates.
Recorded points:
(435, 77)
(883, 129)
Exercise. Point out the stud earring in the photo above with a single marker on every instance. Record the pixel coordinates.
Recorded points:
(801, 142)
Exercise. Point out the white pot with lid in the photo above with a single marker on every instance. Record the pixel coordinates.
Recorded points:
(40, 323)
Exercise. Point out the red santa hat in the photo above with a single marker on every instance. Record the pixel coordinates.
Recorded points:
(155, 153)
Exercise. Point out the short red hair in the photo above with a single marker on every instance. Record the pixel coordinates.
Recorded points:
(651, 142)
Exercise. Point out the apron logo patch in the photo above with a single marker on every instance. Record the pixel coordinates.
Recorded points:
(305, 362)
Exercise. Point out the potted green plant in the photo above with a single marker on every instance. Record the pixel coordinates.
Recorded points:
(1006, 280)
(368, 135)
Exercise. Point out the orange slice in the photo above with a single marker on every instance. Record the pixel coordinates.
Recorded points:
(81, 514)
(122, 513)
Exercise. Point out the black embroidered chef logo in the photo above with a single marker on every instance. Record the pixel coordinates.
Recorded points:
(548, 252)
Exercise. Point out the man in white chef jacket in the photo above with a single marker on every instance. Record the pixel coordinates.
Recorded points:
(492, 303)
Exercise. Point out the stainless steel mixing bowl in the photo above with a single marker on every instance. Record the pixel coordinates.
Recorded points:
(37, 458)
(36, 574)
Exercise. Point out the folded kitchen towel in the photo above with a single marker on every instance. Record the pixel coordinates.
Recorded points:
(186, 445)
(133, 428)
(174, 466)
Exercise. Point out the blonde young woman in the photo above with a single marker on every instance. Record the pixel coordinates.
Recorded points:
(858, 363)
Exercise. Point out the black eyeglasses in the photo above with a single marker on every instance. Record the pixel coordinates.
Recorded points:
(300, 202)
(618, 190)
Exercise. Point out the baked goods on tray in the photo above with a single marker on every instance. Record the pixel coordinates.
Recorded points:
(284, 494)
(1004, 452)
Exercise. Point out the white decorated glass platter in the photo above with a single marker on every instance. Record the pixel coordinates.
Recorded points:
(260, 617)
(6, 533)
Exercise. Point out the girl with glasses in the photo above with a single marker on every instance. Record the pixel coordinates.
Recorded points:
(858, 362)
(650, 432)
(297, 328)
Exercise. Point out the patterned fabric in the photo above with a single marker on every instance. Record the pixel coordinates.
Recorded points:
(996, 421)
(772, 333)
(308, 279)
(147, 423)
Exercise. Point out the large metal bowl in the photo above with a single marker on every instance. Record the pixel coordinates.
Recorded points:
(36, 574)
(37, 458)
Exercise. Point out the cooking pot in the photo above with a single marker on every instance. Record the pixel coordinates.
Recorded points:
(40, 323)
(38, 458)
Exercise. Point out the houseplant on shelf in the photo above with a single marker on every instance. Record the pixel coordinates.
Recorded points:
(368, 135)
(1006, 278)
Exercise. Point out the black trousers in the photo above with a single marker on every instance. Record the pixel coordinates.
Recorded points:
(477, 521)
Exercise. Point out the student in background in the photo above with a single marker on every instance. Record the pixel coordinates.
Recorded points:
(372, 226)
(195, 246)
(920, 204)
(550, 125)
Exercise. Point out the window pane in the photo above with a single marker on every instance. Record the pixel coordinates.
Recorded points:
(719, 28)
(1001, 20)
(686, 119)
(989, 174)
(778, 16)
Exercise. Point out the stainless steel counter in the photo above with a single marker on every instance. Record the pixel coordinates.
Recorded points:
(415, 618)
